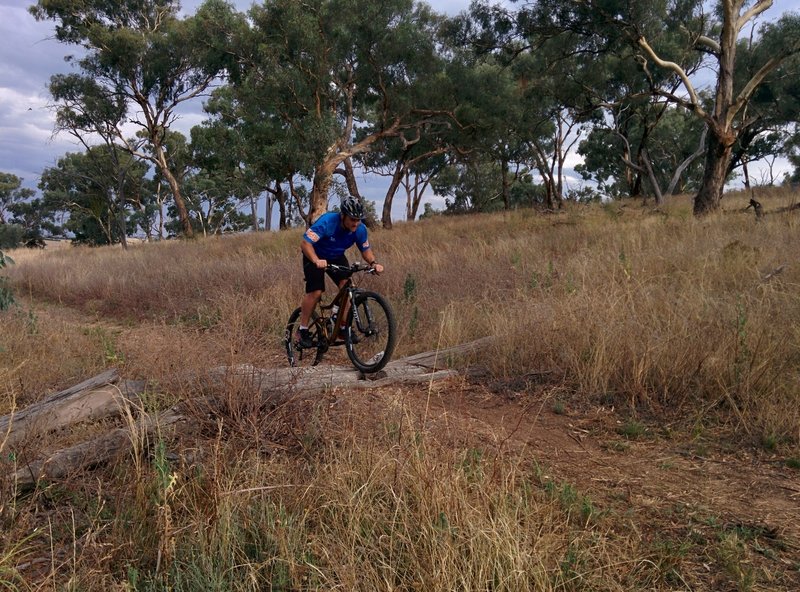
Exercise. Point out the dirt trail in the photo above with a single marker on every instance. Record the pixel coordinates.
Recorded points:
(654, 480)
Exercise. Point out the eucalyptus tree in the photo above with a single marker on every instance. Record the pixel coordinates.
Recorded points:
(715, 35)
(791, 143)
(12, 197)
(11, 192)
(579, 71)
(499, 119)
(325, 69)
(629, 124)
(728, 119)
(554, 114)
(474, 183)
(408, 165)
(35, 219)
(84, 185)
(140, 62)
(252, 146)
(772, 113)
(637, 148)
(217, 158)
(215, 209)
(23, 217)
(533, 111)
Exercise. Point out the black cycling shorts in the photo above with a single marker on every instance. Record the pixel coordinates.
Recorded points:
(315, 277)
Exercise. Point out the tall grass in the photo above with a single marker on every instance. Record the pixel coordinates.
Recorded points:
(401, 512)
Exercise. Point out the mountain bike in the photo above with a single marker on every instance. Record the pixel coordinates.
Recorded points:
(368, 334)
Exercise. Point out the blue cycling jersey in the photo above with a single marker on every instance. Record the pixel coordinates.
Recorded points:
(331, 239)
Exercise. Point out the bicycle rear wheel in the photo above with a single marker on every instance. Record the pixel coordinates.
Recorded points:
(298, 356)
(371, 337)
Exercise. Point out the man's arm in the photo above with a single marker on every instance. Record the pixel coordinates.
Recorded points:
(369, 257)
(308, 250)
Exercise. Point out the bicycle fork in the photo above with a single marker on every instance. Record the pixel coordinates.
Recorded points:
(366, 331)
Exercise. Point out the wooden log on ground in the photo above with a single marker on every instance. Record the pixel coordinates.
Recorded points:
(276, 386)
(101, 396)
(99, 450)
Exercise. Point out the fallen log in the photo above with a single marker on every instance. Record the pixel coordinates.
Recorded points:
(279, 384)
(101, 396)
(276, 386)
(99, 450)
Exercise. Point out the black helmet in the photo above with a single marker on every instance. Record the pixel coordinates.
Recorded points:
(351, 206)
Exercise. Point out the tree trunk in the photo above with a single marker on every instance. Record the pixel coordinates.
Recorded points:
(275, 385)
(350, 179)
(183, 213)
(269, 202)
(280, 195)
(505, 184)
(718, 156)
(323, 176)
(560, 184)
(118, 207)
(636, 188)
(746, 174)
(676, 176)
(414, 196)
(96, 398)
(652, 176)
(254, 212)
(123, 229)
(548, 194)
(386, 216)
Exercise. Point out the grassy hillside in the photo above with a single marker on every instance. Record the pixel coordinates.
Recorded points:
(678, 321)
(653, 310)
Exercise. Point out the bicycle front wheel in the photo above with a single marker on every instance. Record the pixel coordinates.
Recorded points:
(297, 355)
(371, 337)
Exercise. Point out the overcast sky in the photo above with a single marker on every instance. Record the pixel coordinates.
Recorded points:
(29, 56)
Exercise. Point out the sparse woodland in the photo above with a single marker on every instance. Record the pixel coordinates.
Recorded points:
(630, 419)
(486, 109)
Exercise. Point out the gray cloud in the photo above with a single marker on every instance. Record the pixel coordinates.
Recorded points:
(28, 57)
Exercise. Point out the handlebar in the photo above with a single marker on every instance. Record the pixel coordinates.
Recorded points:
(354, 268)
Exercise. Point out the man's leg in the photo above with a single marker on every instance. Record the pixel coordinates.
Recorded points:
(307, 306)
(315, 285)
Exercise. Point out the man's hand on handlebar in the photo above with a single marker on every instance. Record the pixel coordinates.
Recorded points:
(375, 268)
(321, 264)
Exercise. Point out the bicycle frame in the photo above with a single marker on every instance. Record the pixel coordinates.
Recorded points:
(344, 299)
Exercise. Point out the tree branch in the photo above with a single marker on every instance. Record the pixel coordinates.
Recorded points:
(674, 67)
(752, 84)
(753, 12)
(711, 45)
(679, 171)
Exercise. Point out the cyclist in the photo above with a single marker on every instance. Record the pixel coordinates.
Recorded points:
(324, 243)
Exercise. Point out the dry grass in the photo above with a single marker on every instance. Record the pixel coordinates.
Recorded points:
(653, 311)
(401, 511)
